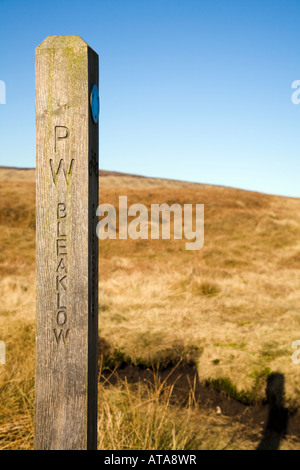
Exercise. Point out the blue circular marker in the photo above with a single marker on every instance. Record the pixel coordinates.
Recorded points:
(95, 104)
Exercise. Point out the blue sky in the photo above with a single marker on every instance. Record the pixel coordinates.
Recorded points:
(191, 90)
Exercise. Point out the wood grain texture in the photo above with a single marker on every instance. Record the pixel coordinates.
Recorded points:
(67, 246)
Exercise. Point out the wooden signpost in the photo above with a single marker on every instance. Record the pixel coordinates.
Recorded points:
(67, 244)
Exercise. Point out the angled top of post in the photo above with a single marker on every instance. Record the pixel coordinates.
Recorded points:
(62, 42)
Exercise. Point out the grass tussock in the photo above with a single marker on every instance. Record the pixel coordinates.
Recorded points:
(17, 388)
(142, 417)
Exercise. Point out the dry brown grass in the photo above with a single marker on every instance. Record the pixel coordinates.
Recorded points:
(142, 418)
(236, 302)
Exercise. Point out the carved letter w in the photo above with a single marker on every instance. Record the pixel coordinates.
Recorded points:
(61, 335)
(61, 165)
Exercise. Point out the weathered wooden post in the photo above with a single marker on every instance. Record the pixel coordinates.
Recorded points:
(67, 244)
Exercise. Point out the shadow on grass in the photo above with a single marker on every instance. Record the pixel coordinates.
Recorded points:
(276, 427)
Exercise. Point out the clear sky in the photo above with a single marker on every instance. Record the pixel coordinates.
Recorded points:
(197, 90)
